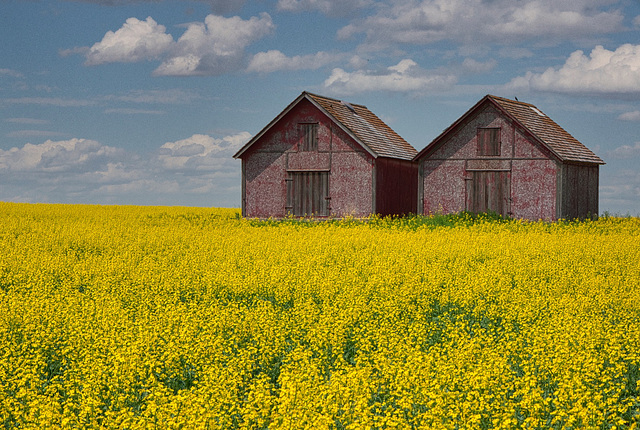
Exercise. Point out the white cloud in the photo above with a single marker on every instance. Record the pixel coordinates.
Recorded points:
(57, 156)
(626, 151)
(201, 152)
(406, 76)
(328, 7)
(135, 41)
(476, 21)
(274, 60)
(194, 171)
(630, 116)
(214, 47)
(602, 72)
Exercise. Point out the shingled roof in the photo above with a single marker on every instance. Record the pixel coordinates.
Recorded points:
(532, 120)
(357, 121)
(567, 147)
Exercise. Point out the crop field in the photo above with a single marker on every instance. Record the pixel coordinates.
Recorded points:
(194, 318)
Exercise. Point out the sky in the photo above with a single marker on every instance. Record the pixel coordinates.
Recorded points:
(144, 102)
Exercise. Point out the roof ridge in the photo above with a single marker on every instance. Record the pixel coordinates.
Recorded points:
(313, 95)
(365, 127)
(511, 101)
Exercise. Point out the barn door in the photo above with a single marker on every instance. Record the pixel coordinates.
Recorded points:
(308, 193)
(490, 191)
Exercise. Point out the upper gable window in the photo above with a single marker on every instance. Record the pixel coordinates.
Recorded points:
(309, 134)
(489, 141)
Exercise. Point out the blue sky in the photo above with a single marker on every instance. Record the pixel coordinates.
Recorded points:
(145, 102)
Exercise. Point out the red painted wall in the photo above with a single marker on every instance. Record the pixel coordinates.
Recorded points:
(266, 163)
(444, 186)
(445, 172)
(396, 186)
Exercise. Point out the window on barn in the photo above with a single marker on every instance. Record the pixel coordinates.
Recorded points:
(308, 193)
(489, 141)
(309, 134)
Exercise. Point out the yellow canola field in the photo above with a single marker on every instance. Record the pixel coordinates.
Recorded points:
(193, 318)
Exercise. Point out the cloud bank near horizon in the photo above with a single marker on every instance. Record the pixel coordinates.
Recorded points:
(186, 171)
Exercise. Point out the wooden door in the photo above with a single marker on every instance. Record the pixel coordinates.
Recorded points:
(308, 193)
(490, 191)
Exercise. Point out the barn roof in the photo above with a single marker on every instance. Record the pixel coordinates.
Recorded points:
(533, 121)
(356, 120)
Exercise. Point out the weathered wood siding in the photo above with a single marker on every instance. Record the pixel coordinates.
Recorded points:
(308, 193)
(489, 191)
(578, 195)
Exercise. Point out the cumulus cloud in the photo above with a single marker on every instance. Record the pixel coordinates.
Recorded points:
(630, 116)
(135, 41)
(274, 60)
(86, 171)
(328, 7)
(476, 21)
(214, 47)
(406, 76)
(57, 156)
(602, 72)
(626, 151)
(201, 152)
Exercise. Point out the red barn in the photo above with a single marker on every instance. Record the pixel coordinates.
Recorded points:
(321, 156)
(508, 157)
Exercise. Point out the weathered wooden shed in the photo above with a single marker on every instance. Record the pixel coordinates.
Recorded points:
(321, 156)
(508, 157)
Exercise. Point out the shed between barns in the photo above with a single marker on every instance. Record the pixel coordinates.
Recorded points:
(325, 157)
(508, 157)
